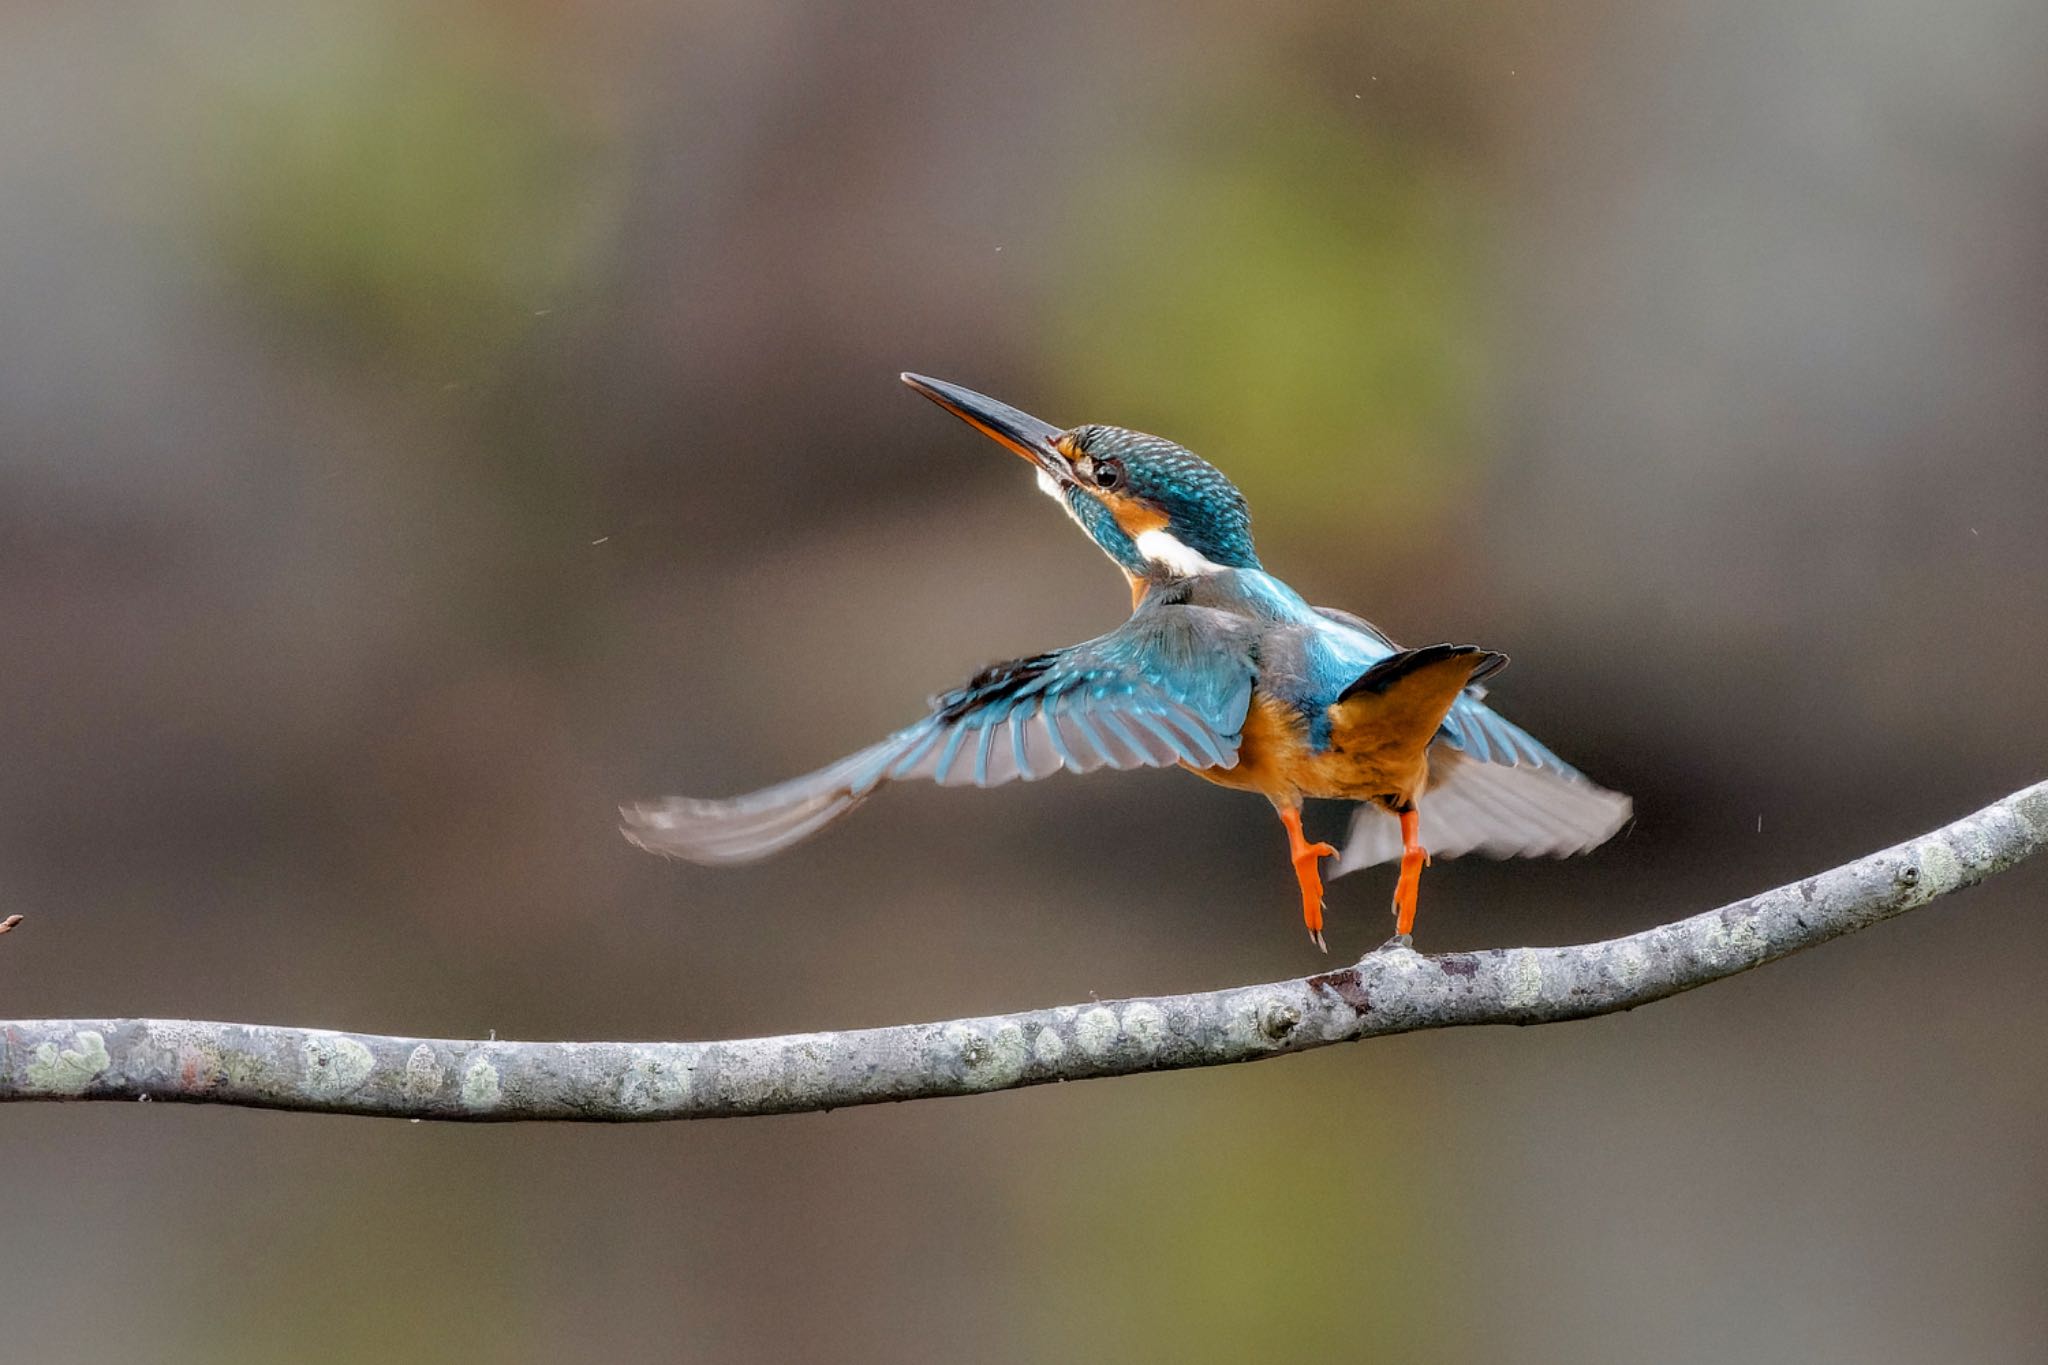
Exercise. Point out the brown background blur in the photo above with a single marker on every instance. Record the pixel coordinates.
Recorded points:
(425, 426)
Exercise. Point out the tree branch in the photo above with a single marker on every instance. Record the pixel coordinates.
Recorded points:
(1391, 991)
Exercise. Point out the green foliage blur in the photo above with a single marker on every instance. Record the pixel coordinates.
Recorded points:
(424, 427)
(414, 192)
(1294, 292)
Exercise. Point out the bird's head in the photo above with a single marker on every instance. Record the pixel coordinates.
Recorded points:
(1156, 508)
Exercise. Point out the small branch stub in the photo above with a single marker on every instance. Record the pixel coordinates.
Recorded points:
(1393, 990)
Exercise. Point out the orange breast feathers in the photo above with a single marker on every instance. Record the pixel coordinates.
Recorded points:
(1380, 734)
(1380, 730)
(1273, 756)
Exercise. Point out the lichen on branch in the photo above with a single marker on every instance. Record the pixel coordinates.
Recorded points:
(1394, 990)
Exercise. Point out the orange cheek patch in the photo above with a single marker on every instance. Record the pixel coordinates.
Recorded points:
(1136, 518)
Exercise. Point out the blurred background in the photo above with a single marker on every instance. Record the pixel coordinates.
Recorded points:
(424, 426)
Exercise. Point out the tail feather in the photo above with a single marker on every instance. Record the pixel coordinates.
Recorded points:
(1398, 706)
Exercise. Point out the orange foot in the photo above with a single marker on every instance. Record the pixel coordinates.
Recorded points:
(1414, 857)
(1305, 855)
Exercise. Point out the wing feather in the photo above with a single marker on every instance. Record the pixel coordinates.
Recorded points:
(1495, 810)
(1063, 752)
(1171, 685)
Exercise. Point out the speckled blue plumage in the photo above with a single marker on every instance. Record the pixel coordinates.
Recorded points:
(1204, 509)
(1171, 685)
(1212, 635)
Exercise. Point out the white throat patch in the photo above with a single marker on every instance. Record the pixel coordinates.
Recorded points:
(1171, 553)
(1161, 547)
(1050, 486)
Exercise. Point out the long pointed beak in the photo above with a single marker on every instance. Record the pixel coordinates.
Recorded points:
(1017, 431)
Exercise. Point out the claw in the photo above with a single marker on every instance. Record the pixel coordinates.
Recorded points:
(1304, 855)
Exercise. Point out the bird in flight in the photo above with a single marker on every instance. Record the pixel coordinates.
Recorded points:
(1221, 669)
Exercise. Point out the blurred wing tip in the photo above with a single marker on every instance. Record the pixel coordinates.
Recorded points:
(715, 832)
(650, 825)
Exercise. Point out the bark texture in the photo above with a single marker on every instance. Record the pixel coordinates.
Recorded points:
(1393, 990)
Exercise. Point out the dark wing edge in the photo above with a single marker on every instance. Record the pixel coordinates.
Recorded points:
(1403, 664)
(1356, 622)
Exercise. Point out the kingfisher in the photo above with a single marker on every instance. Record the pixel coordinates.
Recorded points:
(1221, 669)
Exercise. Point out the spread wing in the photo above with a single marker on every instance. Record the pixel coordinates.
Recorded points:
(1169, 686)
(1493, 790)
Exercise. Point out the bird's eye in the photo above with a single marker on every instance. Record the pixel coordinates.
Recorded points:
(1108, 474)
